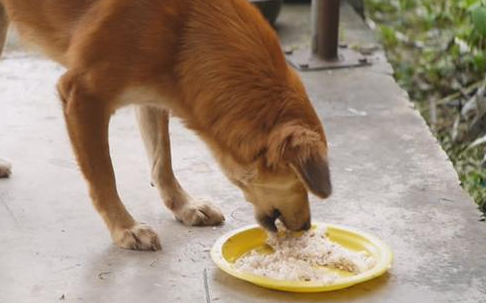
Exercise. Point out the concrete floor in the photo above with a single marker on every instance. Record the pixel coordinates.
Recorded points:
(391, 179)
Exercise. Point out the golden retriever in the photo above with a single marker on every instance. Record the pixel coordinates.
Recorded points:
(217, 65)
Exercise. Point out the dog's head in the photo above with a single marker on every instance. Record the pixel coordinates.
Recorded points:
(277, 183)
(252, 109)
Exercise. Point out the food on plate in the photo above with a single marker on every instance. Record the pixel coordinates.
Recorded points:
(311, 256)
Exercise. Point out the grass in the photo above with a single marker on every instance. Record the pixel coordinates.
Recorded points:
(438, 51)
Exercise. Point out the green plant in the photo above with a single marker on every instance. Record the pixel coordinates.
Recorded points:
(438, 50)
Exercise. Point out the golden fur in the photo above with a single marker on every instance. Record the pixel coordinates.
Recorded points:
(215, 64)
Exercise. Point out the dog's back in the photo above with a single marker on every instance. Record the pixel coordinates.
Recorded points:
(56, 27)
(46, 24)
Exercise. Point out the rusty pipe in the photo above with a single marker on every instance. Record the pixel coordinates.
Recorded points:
(325, 29)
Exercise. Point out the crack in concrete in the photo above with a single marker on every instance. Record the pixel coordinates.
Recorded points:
(9, 211)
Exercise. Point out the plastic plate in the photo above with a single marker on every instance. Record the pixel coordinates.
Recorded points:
(233, 245)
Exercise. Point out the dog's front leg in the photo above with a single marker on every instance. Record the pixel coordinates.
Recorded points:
(87, 117)
(5, 169)
(154, 126)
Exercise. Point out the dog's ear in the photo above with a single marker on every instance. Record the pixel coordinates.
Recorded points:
(314, 172)
(305, 150)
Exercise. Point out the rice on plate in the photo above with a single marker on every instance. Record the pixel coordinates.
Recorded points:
(309, 257)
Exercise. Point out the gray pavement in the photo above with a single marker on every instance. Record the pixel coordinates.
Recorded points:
(391, 178)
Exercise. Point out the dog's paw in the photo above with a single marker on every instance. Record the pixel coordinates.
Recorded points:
(200, 213)
(139, 237)
(5, 169)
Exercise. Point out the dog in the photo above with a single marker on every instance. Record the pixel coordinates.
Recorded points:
(217, 65)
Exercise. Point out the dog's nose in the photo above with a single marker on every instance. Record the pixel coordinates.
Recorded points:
(306, 226)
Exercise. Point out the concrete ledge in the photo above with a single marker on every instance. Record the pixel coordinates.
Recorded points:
(391, 179)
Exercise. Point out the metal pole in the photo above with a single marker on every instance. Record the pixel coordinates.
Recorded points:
(325, 52)
(314, 5)
(327, 29)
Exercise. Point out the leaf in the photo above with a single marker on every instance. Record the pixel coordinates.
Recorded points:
(475, 107)
(463, 46)
(479, 61)
(388, 35)
(478, 16)
(477, 142)
(455, 128)
(470, 109)
(470, 4)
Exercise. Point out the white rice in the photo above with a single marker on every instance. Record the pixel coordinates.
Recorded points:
(306, 258)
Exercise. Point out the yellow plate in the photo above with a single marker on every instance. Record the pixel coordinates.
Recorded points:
(234, 244)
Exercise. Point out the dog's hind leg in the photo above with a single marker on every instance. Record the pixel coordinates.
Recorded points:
(154, 127)
(5, 167)
(3, 27)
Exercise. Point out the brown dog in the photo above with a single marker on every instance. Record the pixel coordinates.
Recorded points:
(215, 64)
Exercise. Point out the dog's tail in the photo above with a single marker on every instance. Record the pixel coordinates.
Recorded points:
(3, 26)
